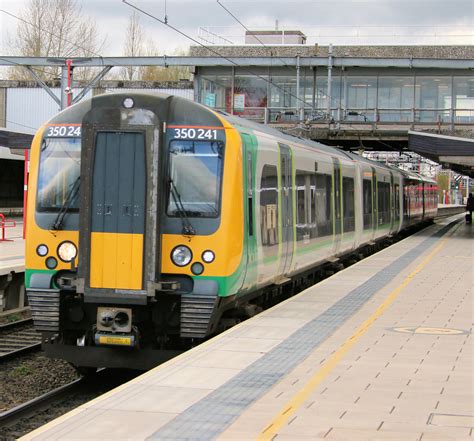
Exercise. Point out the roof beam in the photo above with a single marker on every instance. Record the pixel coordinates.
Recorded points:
(165, 61)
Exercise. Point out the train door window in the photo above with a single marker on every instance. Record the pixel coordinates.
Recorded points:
(269, 206)
(397, 201)
(312, 206)
(323, 204)
(367, 203)
(384, 202)
(302, 212)
(406, 202)
(250, 192)
(348, 204)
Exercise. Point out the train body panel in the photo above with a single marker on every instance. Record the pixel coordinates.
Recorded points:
(158, 220)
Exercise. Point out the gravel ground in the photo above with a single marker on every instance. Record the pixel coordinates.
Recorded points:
(92, 389)
(29, 376)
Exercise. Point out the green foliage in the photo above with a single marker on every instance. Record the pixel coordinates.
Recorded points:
(13, 318)
(21, 371)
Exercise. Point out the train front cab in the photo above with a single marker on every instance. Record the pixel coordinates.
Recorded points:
(111, 197)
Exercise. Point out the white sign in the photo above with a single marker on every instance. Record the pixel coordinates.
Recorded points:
(239, 101)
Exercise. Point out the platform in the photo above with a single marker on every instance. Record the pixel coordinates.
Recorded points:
(12, 253)
(380, 351)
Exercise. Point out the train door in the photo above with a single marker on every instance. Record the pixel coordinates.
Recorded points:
(118, 211)
(423, 200)
(392, 202)
(375, 216)
(249, 149)
(338, 217)
(287, 222)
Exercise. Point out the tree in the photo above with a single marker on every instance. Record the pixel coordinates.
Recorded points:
(133, 46)
(54, 28)
(156, 73)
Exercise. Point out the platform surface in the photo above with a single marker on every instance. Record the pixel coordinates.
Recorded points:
(382, 350)
(12, 252)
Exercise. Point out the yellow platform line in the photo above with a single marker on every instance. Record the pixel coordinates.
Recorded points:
(303, 394)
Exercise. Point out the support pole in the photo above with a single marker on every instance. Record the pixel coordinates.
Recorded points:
(26, 172)
(298, 91)
(330, 63)
(64, 89)
(69, 81)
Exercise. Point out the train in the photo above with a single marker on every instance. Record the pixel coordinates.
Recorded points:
(154, 222)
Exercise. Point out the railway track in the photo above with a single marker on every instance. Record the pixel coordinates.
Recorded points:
(29, 408)
(18, 338)
(34, 413)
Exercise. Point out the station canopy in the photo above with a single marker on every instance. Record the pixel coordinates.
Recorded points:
(15, 140)
(454, 152)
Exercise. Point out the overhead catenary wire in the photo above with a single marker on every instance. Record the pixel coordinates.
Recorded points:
(19, 124)
(253, 34)
(210, 49)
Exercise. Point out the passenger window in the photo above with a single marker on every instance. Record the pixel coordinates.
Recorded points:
(305, 205)
(323, 204)
(269, 207)
(348, 204)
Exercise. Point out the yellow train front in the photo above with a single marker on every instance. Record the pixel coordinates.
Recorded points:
(134, 230)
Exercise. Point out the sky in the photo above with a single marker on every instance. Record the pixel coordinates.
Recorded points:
(339, 22)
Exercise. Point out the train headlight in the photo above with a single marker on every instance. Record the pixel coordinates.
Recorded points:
(208, 256)
(42, 250)
(67, 251)
(181, 255)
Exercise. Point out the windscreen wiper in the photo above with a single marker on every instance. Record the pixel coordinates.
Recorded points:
(71, 195)
(188, 229)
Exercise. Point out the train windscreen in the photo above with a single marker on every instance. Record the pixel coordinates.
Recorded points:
(195, 174)
(59, 169)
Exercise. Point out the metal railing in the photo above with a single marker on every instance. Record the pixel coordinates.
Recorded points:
(357, 115)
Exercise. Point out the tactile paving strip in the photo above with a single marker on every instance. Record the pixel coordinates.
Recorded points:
(214, 413)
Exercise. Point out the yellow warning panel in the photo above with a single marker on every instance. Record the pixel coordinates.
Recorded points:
(113, 340)
(426, 330)
(116, 261)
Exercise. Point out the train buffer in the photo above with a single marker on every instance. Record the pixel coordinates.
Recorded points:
(381, 350)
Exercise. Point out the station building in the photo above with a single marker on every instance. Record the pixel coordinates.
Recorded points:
(414, 86)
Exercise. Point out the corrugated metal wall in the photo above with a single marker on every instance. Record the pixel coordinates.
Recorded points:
(184, 93)
(27, 107)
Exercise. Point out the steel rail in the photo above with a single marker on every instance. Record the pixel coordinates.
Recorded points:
(30, 344)
(22, 351)
(17, 323)
(26, 409)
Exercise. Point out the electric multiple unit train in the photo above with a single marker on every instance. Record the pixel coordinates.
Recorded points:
(154, 221)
